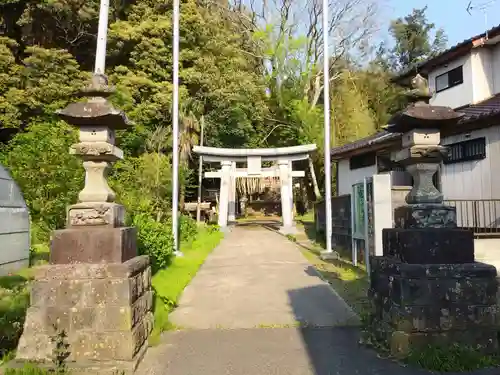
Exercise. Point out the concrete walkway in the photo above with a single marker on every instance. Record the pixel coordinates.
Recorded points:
(241, 315)
(257, 278)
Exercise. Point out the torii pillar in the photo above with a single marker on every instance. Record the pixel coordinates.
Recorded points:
(286, 181)
(225, 187)
(232, 194)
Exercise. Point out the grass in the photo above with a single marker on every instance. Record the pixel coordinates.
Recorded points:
(454, 358)
(169, 283)
(14, 301)
(349, 281)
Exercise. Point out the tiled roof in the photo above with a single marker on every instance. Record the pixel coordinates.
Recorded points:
(453, 52)
(473, 112)
(488, 107)
(377, 138)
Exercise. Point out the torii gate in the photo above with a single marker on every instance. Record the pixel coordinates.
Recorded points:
(228, 157)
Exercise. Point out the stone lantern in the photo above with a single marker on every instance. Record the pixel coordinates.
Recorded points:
(96, 291)
(427, 289)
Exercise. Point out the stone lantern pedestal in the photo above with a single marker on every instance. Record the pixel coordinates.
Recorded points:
(96, 291)
(427, 289)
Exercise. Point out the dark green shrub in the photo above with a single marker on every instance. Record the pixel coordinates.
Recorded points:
(188, 229)
(154, 239)
(14, 300)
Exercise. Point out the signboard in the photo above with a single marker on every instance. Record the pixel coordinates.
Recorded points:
(358, 211)
(14, 225)
(254, 164)
(371, 208)
(357, 218)
(369, 217)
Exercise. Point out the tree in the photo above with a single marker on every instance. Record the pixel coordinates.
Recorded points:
(416, 39)
(383, 97)
(352, 115)
(294, 64)
(46, 54)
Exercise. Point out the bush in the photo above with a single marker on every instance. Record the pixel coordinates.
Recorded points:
(188, 229)
(154, 239)
(14, 300)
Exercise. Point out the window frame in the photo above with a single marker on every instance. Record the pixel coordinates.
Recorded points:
(464, 154)
(447, 73)
(364, 160)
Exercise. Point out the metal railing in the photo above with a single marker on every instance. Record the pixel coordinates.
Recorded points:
(480, 215)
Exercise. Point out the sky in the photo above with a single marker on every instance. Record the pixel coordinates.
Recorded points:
(452, 16)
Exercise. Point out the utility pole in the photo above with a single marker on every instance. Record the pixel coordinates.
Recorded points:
(200, 173)
(102, 36)
(328, 253)
(175, 130)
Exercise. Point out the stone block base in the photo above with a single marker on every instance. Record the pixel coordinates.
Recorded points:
(414, 305)
(425, 216)
(104, 311)
(93, 245)
(429, 245)
(88, 214)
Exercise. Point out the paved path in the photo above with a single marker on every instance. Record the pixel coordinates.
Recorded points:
(257, 279)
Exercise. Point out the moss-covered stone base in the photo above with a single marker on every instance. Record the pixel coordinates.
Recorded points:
(417, 305)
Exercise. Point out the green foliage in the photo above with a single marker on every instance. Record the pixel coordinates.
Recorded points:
(352, 117)
(188, 229)
(14, 300)
(452, 358)
(154, 239)
(143, 184)
(48, 176)
(27, 370)
(43, 82)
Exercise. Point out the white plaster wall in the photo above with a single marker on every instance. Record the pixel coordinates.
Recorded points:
(456, 96)
(487, 250)
(495, 68)
(482, 74)
(348, 177)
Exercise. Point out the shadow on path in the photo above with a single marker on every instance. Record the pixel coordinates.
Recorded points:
(241, 313)
(336, 350)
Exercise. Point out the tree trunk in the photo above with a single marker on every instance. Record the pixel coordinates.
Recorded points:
(317, 192)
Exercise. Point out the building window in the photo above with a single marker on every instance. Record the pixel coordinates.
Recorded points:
(363, 160)
(449, 79)
(473, 149)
